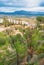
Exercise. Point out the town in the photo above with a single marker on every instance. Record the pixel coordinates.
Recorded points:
(17, 22)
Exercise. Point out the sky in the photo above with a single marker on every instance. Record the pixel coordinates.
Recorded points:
(28, 5)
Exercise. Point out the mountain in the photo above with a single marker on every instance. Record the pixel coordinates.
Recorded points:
(25, 13)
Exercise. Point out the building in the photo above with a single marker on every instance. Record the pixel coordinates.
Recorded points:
(1, 20)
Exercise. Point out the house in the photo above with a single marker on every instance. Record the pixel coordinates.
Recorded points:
(17, 22)
(25, 23)
(1, 20)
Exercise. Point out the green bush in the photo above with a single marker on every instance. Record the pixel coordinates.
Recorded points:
(2, 41)
(20, 45)
(40, 19)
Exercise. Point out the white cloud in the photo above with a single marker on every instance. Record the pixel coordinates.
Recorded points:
(37, 9)
(32, 3)
(6, 9)
(22, 3)
(28, 5)
(12, 9)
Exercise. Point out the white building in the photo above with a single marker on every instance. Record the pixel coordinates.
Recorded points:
(25, 23)
(8, 19)
(1, 20)
(17, 22)
(14, 21)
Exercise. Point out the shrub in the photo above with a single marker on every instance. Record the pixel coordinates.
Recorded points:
(2, 41)
(40, 19)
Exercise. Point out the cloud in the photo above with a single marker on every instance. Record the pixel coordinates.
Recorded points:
(12, 9)
(7, 9)
(32, 3)
(37, 9)
(42, 3)
(28, 5)
(21, 3)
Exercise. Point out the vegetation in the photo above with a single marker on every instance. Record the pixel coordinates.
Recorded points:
(40, 19)
(25, 49)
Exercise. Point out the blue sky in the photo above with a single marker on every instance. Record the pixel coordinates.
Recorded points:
(28, 5)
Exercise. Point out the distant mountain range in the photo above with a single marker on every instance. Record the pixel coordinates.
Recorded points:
(23, 13)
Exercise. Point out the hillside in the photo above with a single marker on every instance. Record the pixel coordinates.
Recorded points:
(21, 41)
